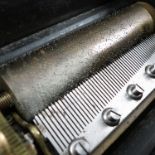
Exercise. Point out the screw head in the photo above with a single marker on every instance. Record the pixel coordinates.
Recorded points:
(150, 70)
(111, 117)
(134, 91)
(79, 147)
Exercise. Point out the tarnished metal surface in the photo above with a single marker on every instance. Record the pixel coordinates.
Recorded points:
(45, 75)
(81, 112)
(35, 41)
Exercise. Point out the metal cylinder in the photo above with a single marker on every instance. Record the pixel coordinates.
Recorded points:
(45, 75)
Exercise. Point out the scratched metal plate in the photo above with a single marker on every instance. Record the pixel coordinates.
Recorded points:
(79, 113)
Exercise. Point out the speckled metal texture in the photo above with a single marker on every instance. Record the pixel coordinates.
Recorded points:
(79, 113)
(47, 74)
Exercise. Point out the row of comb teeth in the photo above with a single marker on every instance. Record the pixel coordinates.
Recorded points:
(67, 118)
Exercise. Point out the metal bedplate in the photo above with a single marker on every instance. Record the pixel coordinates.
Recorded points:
(79, 113)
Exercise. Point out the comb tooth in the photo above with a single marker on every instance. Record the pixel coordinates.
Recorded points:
(96, 91)
(106, 90)
(86, 103)
(75, 112)
(49, 132)
(81, 109)
(83, 90)
(100, 91)
(89, 102)
(65, 118)
(57, 130)
(70, 116)
(60, 121)
(93, 91)
(86, 109)
(118, 75)
(108, 84)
